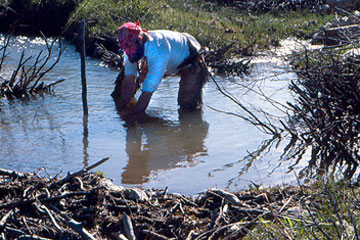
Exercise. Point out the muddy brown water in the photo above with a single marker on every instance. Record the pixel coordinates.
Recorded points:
(188, 153)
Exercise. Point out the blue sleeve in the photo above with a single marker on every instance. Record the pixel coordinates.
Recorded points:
(157, 60)
(156, 71)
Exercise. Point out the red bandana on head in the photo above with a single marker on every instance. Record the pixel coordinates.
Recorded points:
(128, 33)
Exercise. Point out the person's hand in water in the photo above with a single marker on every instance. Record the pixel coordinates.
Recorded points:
(131, 119)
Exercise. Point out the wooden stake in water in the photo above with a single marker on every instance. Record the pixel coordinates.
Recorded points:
(83, 70)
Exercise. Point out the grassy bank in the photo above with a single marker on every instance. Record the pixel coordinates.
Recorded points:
(323, 210)
(214, 25)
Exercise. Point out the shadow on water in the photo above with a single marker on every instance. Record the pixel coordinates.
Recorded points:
(158, 144)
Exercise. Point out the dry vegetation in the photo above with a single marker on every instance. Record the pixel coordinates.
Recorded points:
(84, 205)
(26, 77)
(325, 117)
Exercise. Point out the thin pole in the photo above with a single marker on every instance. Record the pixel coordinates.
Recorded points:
(83, 70)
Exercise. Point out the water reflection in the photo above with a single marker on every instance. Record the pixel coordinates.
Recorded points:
(158, 144)
(50, 130)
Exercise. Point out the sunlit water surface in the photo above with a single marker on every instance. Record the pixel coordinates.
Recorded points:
(188, 153)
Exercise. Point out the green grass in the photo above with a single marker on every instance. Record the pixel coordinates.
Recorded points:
(213, 25)
(330, 211)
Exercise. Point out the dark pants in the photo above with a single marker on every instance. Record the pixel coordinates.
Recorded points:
(193, 77)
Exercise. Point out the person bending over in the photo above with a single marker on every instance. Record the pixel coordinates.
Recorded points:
(152, 55)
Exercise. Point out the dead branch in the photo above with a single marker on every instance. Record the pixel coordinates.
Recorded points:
(49, 212)
(77, 226)
(14, 174)
(326, 113)
(3, 49)
(129, 230)
(23, 76)
(78, 173)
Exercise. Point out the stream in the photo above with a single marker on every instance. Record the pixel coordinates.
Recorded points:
(188, 153)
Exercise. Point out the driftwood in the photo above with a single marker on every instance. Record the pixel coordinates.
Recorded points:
(78, 173)
(33, 207)
(97, 209)
(14, 174)
(341, 31)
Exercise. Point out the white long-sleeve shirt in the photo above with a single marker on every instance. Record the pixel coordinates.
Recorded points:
(165, 51)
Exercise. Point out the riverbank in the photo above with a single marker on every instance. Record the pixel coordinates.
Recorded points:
(229, 30)
(85, 205)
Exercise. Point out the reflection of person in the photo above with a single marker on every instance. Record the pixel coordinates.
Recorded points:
(159, 144)
(157, 54)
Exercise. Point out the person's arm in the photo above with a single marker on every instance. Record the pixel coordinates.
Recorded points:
(142, 103)
(139, 111)
(127, 90)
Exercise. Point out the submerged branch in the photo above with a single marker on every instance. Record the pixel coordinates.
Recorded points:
(268, 127)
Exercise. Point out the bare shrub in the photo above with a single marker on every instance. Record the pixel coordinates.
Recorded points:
(25, 79)
(325, 118)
